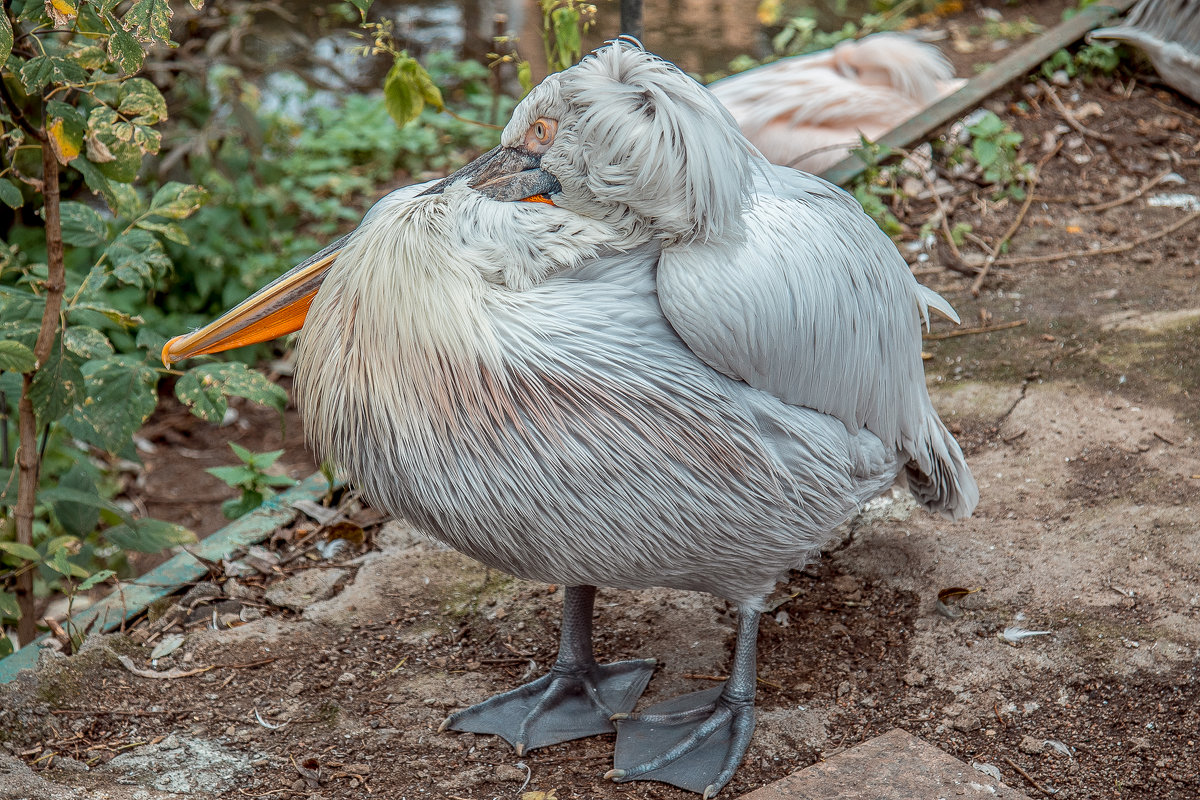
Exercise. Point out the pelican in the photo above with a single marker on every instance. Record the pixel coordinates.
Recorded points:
(808, 111)
(621, 349)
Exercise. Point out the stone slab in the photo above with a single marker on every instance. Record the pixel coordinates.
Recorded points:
(894, 766)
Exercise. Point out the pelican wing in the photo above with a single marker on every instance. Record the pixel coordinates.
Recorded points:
(815, 306)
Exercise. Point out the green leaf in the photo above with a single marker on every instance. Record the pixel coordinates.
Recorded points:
(41, 70)
(363, 7)
(57, 387)
(16, 357)
(141, 99)
(54, 494)
(96, 181)
(169, 230)
(278, 480)
(565, 23)
(149, 20)
(10, 610)
(6, 39)
(82, 225)
(92, 57)
(10, 194)
(148, 535)
(125, 51)
(6, 646)
(108, 312)
(987, 126)
(204, 389)
(402, 91)
(78, 519)
(137, 258)
(94, 580)
(235, 477)
(121, 396)
(21, 551)
(525, 76)
(87, 343)
(121, 158)
(986, 151)
(241, 506)
(149, 340)
(178, 200)
(59, 563)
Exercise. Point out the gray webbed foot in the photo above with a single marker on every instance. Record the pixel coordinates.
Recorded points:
(567, 703)
(694, 741)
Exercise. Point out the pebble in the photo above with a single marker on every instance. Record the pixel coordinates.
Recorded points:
(346, 677)
(1031, 746)
(509, 773)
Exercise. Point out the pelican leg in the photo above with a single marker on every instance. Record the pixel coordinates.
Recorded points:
(577, 698)
(697, 740)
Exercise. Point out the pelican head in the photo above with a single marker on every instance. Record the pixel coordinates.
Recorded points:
(620, 150)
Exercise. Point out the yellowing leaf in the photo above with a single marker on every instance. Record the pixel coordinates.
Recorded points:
(550, 795)
(769, 12)
(64, 148)
(61, 11)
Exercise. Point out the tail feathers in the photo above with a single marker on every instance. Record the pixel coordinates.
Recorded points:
(938, 475)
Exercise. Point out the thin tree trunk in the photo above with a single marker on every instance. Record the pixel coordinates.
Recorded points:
(27, 451)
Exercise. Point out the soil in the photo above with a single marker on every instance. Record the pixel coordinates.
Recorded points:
(1080, 424)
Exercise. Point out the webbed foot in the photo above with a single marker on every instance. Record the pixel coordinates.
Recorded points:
(567, 703)
(694, 741)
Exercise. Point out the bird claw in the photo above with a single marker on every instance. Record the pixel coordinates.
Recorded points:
(562, 705)
(694, 742)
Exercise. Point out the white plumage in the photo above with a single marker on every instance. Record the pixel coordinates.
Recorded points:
(807, 111)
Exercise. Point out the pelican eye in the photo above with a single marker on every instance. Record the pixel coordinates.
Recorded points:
(540, 135)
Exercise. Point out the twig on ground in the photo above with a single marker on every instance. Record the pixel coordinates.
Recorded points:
(1103, 251)
(167, 674)
(1134, 195)
(1001, 326)
(1048, 91)
(1012, 229)
(245, 665)
(1175, 110)
(1162, 438)
(944, 215)
(1028, 777)
(87, 712)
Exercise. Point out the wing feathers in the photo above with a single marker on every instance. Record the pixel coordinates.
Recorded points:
(815, 306)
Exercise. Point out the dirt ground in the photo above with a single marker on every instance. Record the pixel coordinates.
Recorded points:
(1079, 419)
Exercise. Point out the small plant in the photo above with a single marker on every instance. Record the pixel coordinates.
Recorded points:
(876, 182)
(564, 23)
(1087, 62)
(251, 477)
(996, 148)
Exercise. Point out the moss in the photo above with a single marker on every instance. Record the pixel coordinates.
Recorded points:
(1161, 365)
(329, 713)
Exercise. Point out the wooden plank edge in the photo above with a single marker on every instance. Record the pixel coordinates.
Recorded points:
(130, 599)
(1014, 65)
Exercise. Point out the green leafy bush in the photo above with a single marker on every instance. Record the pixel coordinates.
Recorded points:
(74, 371)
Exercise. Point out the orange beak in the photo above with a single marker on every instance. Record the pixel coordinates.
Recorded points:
(275, 310)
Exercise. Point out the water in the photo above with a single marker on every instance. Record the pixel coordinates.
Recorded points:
(701, 36)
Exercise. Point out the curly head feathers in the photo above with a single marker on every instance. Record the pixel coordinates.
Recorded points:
(635, 134)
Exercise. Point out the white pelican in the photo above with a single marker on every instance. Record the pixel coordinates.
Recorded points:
(807, 111)
(680, 367)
